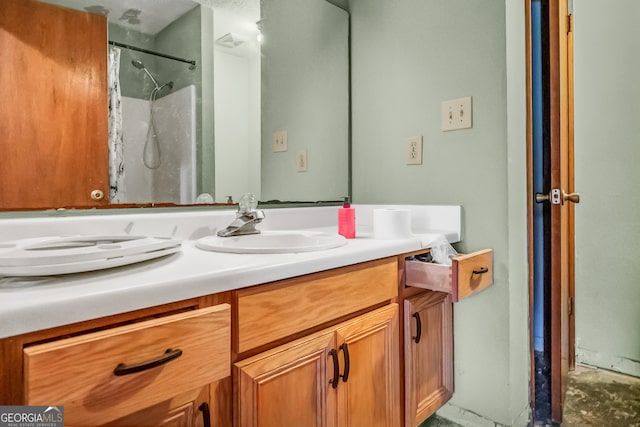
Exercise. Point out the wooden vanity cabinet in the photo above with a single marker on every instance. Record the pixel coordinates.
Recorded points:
(189, 409)
(467, 275)
(287, 385)
(320, 350)
(344, 376)
(428, 292)
(356, 345)
(281, 310)
(370, 394)
(153, 367)
(428, 354)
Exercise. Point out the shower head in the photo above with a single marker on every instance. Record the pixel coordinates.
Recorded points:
(168, 85)
(140, 65)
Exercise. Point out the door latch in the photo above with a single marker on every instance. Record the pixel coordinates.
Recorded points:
(554, 197)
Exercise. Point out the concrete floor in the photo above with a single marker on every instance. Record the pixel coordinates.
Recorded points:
(599, 398)
(436, 421)
(595, 398)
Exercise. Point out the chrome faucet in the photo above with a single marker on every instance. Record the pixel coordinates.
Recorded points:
(246, 220)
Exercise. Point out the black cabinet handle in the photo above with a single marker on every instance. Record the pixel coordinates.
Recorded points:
(481, 270)
(418, 328)
(168, 356)
(347, 362)
(336, 369)
(206, 414)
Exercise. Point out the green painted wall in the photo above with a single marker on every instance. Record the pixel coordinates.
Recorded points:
(607, 147)
(181, 38)
(407, 57)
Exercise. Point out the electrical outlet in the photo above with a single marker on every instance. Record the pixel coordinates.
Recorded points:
(456, 114)
(414, 150)
(279, 141)
(301, 161)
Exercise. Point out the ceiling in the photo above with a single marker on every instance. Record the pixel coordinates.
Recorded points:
(146, 16)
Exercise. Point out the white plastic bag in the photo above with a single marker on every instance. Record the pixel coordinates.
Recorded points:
(442, 251)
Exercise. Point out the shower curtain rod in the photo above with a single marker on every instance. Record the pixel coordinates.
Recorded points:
(150, 52)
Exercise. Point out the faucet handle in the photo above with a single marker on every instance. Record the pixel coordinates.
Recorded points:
(247, 203)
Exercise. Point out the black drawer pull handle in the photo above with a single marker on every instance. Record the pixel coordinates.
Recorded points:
(481, 270)
(206, 414)
(418, 328)
(336, 369)
(347, 362)
(168, 356)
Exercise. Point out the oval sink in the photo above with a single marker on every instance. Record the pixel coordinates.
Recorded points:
(272, 242)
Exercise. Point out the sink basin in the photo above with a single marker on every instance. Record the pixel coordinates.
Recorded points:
(272, 242)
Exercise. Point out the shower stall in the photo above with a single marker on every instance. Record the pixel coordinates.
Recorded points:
(159, 135)
(151, 154)
(160, 168)
(159, 112)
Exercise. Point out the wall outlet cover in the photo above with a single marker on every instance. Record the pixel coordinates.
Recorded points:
(414, 150)
(301, 161)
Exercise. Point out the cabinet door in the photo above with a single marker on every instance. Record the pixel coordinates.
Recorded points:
(368, 393)
(186, 410)
(288, 386)
(428, 352)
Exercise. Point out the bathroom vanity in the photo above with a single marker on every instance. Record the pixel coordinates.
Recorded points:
(361, 332)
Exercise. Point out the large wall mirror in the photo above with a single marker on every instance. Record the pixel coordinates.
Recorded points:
(199, 101)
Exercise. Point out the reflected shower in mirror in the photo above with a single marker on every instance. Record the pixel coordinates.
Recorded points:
(151, 156)
(158, 113)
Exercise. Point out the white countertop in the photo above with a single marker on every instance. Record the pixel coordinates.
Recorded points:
(31, 304)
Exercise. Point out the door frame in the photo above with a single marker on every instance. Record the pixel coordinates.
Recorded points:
(530, 198)
(562, 238)
(560, 57)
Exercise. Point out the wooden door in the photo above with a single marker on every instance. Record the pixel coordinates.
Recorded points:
(562, 238)
(368, 393)
(289, 386)
(428, 355)
(53, 114)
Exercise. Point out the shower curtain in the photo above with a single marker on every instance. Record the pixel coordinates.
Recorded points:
(116, 141)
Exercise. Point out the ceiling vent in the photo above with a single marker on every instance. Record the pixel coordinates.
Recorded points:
(230, 40)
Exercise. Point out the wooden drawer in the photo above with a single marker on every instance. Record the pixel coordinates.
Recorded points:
(79, 372)
(467, 275)
(298, 304)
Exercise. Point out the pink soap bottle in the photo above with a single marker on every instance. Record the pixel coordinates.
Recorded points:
(347, 220)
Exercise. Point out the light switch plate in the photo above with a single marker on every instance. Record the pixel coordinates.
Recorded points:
(279, 141)
(414, 150)
(456, 114)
